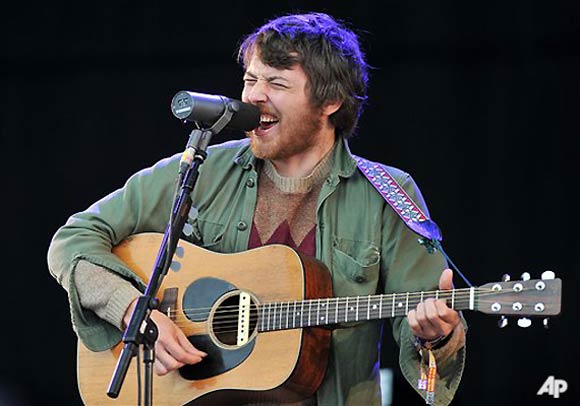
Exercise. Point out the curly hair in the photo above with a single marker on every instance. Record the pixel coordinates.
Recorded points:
(328, 52)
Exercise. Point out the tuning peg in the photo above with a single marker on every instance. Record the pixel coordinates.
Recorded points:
(505, 277)
(503, 321)
(546, 323)
(524, 322)
(525, 276)
(548, 275)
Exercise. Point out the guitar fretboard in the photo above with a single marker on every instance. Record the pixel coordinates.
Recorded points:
(327, 311)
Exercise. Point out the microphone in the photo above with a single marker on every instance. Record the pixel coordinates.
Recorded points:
(207, 109)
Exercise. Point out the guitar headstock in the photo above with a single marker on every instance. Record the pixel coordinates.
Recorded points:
(526, 298)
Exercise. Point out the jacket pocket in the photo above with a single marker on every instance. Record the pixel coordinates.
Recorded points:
(355, 266)
(207, 234)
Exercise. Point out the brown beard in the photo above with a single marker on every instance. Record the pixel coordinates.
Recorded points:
(302, 137)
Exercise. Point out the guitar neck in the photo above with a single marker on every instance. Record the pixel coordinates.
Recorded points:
(329, 311)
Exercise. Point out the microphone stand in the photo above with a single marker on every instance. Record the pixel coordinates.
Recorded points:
(141, 330)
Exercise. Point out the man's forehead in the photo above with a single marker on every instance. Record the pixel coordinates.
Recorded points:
(257, 67)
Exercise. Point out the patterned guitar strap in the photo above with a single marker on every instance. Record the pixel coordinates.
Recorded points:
(430, 237)
(400, 201)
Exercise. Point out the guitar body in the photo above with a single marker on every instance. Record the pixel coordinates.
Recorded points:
(282, 365)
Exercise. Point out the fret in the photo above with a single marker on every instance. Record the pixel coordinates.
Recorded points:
(268, 319)
(281, 314)
(357, 307)
(262, 312)
(471, 298)
(436, 294)
(301, 313)
(372, 312)
(400, 306)
(327, 306)
(309, 311)
(287, 314)
(294, 315)
(346, 311)
(393, 306)
(336, 311)
(381, 306)
(317, 315)
(407, 303)
(453, 298)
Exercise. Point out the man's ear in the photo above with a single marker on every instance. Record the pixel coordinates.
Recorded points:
(331, 107)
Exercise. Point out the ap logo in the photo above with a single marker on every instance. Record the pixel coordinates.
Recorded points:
(553, 387)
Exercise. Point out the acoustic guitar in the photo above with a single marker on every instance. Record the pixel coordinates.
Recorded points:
(264, 317)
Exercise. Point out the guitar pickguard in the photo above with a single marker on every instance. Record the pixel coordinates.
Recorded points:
(201, 295)
(205, 300)
(218, 360)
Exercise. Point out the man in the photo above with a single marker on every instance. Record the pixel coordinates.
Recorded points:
(293, 181)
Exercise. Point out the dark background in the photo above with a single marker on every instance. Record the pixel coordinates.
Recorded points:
(478, 100)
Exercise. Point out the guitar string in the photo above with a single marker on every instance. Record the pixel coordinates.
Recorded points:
(281, 315)
(229, 322)
(443, 294)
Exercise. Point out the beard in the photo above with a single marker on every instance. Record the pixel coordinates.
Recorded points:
(296, 136)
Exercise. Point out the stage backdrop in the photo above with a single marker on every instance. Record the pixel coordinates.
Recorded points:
(477, 100)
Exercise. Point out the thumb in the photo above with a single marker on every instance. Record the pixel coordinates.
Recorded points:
(446, 280)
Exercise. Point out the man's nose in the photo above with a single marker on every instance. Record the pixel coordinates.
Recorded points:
(257, 93)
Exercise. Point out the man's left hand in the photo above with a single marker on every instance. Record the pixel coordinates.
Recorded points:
(433, 318)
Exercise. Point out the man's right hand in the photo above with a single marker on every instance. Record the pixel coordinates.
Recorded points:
(172, 348)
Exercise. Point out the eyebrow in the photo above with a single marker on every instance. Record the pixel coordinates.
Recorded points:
(268, 78)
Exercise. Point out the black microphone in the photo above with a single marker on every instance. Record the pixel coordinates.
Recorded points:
(207, 109)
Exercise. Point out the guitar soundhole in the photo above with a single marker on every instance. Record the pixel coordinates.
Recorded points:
(225, 321)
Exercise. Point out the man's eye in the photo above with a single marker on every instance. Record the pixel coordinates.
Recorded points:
(279, 85)
(249, 81)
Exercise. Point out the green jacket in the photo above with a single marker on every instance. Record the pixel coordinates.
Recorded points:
(358, 236)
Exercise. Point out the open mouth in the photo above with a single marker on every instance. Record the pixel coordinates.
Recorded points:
(267, 121)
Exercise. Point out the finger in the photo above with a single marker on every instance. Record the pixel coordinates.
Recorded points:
(174, 347)
(187, 346)
(446, 280)
(164, 361)
(439, 326)
(414, 324)
(427, 328)
(448, 315)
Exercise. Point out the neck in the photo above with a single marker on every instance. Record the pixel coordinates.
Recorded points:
(301, 165)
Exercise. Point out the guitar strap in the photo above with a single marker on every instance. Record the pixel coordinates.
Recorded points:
(399, 200)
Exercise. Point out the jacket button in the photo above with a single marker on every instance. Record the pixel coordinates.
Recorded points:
(250, 182)
(360, 279)
(242, 226)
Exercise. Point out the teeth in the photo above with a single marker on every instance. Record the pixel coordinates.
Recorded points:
(266, 118)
